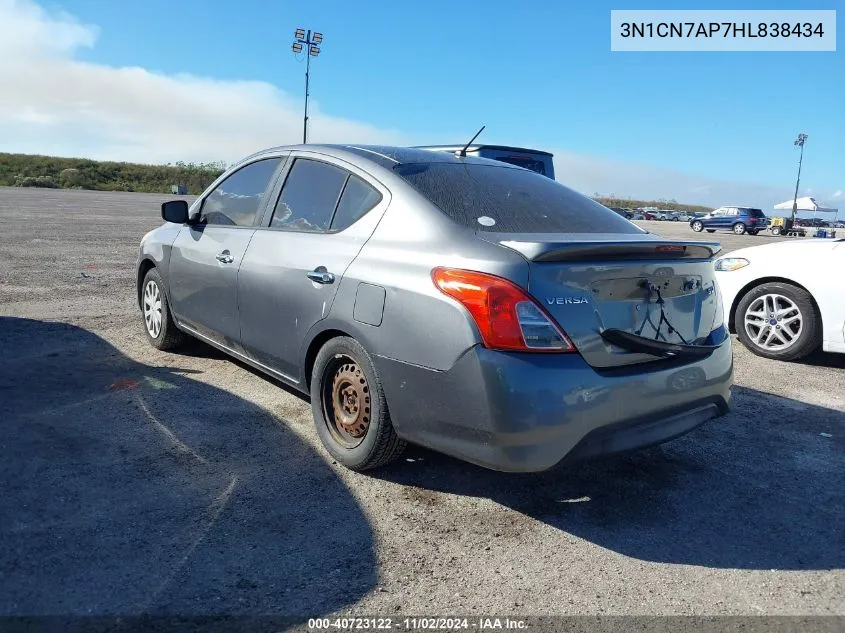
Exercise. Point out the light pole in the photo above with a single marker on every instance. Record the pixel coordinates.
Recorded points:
(799, 142)
(311, 43)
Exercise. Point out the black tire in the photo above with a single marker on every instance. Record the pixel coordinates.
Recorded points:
(810, 338)
(711, 230)
(340, 361)
(168, 337)
(739, 228)
(697, 226)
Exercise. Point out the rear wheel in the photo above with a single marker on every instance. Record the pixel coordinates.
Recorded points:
(161, 331)
(739, 228)
(697, 226)
(350, 409)
(778, 320)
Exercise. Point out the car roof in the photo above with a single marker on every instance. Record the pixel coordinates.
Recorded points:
(476, 147)
(387, 156)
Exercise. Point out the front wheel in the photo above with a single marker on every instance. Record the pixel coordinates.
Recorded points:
(161, 331)
(697, 226)
(739, 228)
(778, 320)
(350, 409)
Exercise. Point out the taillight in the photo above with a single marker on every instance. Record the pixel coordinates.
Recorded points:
(507, 318)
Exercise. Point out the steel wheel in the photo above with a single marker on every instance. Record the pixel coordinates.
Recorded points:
(347, 407)
(152, 308)
(773, 322)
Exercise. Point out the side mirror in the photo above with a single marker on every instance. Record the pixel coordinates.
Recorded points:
(175, 211)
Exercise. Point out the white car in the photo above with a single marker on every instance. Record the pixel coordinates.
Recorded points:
(786, 300)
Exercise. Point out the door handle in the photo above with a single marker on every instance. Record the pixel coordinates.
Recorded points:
(225, 257)
(320, 275)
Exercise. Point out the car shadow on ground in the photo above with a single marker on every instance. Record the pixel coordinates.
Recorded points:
(762, 488)
(825, 359)
(131, 490)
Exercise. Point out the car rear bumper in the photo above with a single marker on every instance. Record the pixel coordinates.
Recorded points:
(528, 412)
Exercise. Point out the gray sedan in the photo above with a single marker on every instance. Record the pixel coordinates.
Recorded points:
(459, 303)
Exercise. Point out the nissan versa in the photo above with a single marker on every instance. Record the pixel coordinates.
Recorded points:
(460, 303)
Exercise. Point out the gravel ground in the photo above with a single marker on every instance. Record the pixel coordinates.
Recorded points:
(139, 482)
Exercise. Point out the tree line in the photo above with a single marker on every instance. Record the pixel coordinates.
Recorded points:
(26, 170)
(662, 203)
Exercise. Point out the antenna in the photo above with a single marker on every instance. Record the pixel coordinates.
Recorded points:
(463, 152)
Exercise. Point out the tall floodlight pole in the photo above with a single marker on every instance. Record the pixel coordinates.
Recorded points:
(799, 142)
(310, 42)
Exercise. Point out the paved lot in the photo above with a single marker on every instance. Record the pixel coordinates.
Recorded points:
(136, 481)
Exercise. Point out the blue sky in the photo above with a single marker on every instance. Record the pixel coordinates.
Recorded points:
(536, 73)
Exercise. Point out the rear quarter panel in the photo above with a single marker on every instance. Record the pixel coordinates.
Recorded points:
(419, 325)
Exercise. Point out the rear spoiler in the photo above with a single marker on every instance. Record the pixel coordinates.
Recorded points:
(640, 344)
(584, 251)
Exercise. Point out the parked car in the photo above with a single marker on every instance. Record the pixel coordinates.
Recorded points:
(786, 300)
(812, 222)
(740, 220)
(454, 302)
(681, 216)
(625, 213)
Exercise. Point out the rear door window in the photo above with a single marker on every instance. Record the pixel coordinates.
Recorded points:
(502, 199)
(309, 196)
(357, 199)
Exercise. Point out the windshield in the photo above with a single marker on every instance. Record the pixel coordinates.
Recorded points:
(506, 200)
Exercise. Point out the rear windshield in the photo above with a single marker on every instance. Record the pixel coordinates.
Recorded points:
(506, 200)
(755, 213)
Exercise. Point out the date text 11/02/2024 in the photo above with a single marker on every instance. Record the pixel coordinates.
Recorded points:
(720, 29)
(417, 624)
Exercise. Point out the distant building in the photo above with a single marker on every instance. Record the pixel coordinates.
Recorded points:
(179, 190)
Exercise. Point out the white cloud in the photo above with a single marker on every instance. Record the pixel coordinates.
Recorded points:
(836, 194)
(51, 103)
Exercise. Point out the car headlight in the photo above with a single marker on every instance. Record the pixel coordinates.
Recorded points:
(731, 263)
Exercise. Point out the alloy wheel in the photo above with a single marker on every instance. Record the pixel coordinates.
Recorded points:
(152, 308)
(773, 322)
